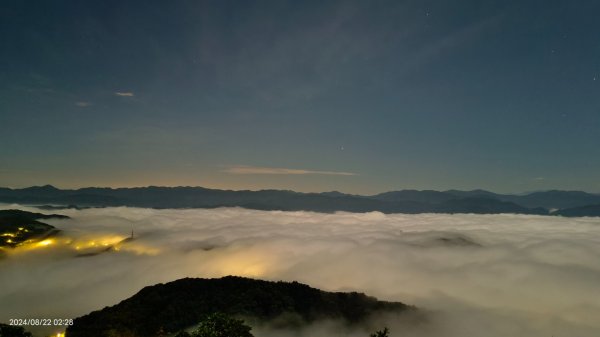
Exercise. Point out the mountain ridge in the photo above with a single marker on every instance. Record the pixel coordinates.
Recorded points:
(401, 201)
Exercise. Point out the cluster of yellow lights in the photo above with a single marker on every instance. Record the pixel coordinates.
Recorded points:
(44, 243)
(32, 244)
(94, 244)
(13, 235)
(106, 241)
(60, 334)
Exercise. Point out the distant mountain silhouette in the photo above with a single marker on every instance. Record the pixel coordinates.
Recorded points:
(554, 199)
(589, 210)
(425, 196)
(482, 205)
(476, 194)
(406, 201)
(179, 304)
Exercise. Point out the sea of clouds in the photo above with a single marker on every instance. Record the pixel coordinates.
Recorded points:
(471, 275)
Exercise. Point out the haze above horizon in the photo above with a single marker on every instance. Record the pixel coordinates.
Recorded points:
(350, 96)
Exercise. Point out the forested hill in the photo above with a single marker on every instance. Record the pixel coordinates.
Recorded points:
(179, 304)
(18, 227)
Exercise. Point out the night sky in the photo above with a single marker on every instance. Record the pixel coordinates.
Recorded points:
(356, 96)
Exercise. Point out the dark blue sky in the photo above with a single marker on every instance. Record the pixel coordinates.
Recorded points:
(357, 96)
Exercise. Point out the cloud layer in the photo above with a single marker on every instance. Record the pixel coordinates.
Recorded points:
(124, 94)
(473, 275)
(242, 169)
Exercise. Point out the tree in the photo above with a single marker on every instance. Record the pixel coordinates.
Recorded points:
(221, 325)
(183, 334)
(381, 333)
(13, 331)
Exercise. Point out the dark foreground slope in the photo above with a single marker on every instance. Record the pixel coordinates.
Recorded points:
(17, 227)
(13, 331)
(176, 305)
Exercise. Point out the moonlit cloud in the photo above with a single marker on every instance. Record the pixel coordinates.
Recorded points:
(124, 94)
(242, 169)
(471, 275)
